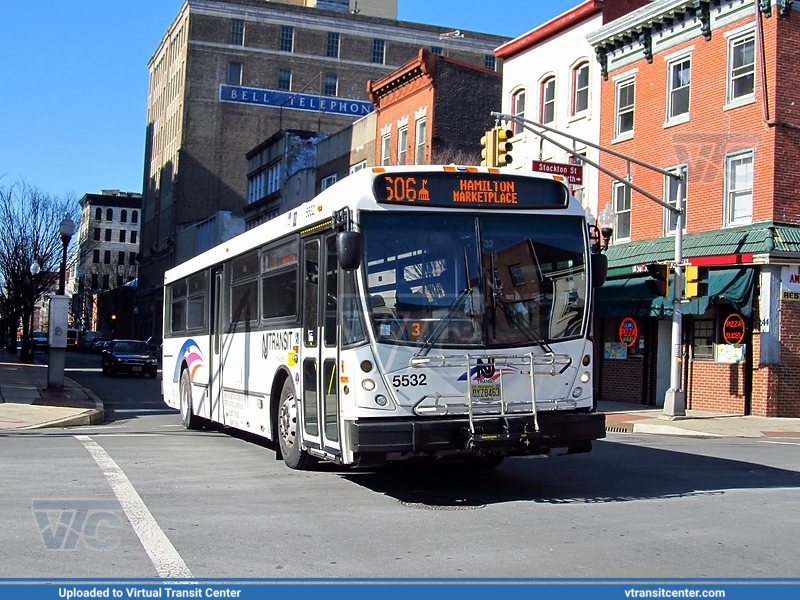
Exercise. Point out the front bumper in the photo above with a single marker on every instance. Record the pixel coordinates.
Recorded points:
(510, 435)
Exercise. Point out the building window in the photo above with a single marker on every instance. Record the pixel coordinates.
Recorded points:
(671, 187)
(332, 47)
(358, 166)
(96, 256)
(107, 257)
(234, 73)
(489, 61)
(273, 178)
(255, 187)
(580, 88)
(95, 281)
(96, 234)
(419, 154)
(548, 95)
(402, 145)
(518, 110)
(122, 235)
(386, 141)
(437, 50)
(379, 51)
(108, 235)
(285, 79)
(237, 32)
(132, 258)
(703, 335)
(135, 216)
(622, 211)
(133, 237)
(741, 67)
(327, 182)
(331, 84)
(739, 188)
(678, 87)
(110, 214)
(121, 258)
(123, 216)
(106, 280)
(624, 107)
(98, 214)
(287, 38)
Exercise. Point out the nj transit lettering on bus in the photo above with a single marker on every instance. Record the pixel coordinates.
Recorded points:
(280, 341)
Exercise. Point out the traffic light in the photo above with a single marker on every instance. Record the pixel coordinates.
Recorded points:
(503, 146)
(659, 284)
(489, 152)
(696, 285)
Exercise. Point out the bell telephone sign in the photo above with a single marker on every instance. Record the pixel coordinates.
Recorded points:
(733, 329)
(628, 331)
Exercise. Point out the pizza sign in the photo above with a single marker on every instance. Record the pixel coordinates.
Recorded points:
(733, 329)
(628, 331)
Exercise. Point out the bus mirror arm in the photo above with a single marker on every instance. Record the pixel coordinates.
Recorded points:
(348, 250)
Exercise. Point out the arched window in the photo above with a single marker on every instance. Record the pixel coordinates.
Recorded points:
(110, 214)
(580, 88)
(518, 109)
(98, 214)
(547, 108)
(123, 217)
(135, 216)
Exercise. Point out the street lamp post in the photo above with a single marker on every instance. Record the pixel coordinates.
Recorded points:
(59, 313)
(26, 354)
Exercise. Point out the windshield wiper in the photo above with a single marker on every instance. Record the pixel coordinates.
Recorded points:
(451, 311)
(529, 331)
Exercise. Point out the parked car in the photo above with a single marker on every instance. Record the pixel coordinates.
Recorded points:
(154, 343)
(40, 341)
(128, 356)
(98, 344)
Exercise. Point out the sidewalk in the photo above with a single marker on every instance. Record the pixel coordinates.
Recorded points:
(26, 403)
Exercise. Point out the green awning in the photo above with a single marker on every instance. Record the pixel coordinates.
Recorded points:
(631, 297)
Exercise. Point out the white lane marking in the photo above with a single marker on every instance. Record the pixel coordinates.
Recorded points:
(162, 553)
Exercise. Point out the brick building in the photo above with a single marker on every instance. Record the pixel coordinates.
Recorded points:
(433, 110)
(704, 89)
(230, 73)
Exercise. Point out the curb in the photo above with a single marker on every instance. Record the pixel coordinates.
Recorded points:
(89, 417)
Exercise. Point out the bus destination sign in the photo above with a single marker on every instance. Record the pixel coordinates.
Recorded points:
(469, 190)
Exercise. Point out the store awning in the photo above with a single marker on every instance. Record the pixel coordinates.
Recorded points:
(631, 297)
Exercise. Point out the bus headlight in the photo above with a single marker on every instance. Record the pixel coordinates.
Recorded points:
(368, 384)
(381, 400)
(585, 377)
(576, 393)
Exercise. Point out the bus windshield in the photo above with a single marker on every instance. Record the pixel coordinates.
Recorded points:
(482, 281)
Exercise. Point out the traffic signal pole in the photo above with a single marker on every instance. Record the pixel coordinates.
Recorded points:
(675, 397)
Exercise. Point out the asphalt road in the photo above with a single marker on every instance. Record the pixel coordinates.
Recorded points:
(163, 501)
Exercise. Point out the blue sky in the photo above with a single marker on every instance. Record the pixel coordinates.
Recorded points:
(74, 73)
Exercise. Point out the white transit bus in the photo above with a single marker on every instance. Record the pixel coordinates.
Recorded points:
(420, 311)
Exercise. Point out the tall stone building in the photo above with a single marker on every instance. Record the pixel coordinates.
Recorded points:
(230, 73)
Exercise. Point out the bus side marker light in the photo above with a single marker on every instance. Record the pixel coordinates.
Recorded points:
(368, 385)
(381, 400)
(585, 376)
(577, 392)
(586, 360)
(366, 366)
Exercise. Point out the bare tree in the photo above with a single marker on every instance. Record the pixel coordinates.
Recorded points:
(29, 232)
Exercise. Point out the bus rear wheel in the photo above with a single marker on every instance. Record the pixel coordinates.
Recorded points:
(188, 418)
(289, 435)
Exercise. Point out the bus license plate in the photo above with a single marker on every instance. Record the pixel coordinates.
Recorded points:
(486, 391)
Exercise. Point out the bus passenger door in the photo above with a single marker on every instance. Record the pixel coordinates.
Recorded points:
(320, 378)
(215, 362)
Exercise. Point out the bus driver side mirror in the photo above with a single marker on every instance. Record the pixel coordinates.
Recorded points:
(599, 266)
(348, 250)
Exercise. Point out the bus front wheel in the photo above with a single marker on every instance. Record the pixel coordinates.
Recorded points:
(289, 430)
(189, 419)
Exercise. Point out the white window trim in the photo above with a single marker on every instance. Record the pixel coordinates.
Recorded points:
(625, 135)
(327, 182)
(386, 146)
(728, 220)
(420, 143)
(748, 98)
(573, 84)
(402, 145)
(629, 212)
(358, 166)
(683, 117)
(543, 83)
(512, 108)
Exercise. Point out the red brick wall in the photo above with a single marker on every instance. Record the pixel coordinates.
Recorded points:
(716, 387)
(622, 380)
(784, 398)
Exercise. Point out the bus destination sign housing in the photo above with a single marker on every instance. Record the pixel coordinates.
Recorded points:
(469, 190)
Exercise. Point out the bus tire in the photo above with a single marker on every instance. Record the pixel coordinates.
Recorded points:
(188, 418)
(289, 434)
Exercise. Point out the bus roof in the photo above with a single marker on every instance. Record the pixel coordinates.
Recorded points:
(354, 191)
